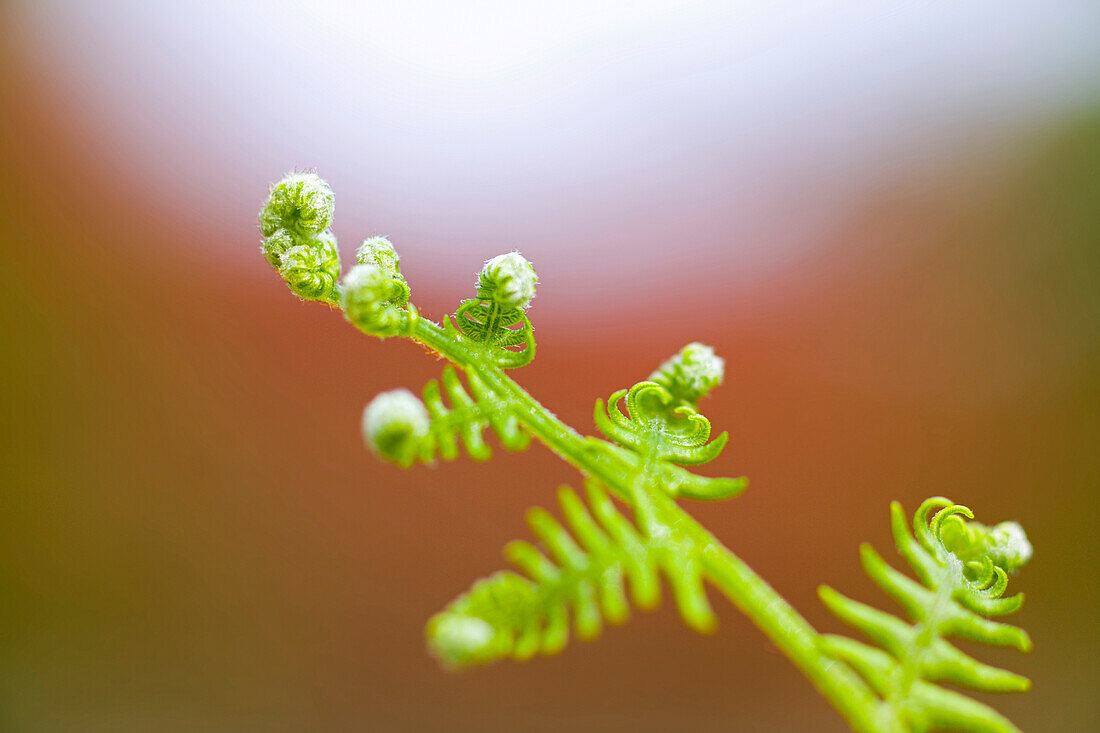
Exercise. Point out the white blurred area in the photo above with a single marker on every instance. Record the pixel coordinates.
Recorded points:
(641, 142)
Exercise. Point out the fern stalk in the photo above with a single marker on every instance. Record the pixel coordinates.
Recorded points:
(752, 595)
(749, 592)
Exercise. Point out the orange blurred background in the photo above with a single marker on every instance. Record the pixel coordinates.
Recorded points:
(886, 219)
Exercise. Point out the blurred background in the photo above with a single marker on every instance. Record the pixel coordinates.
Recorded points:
(885, 216)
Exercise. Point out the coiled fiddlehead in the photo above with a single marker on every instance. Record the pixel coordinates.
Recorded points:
(496, 319)
(294, 221)
(518, 616)
(655, 425)
(375, 295)
(659, 431)
(962, 568)
(428, 429)
(663, 427)
(691, 373)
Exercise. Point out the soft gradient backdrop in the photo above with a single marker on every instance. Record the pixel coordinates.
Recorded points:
(885, 216)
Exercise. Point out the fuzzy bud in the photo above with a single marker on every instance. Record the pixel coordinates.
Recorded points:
(692, 373)
(374, 300)
(509, 279)
(394, 423)
(301, 203)
(458, 640)
(1008, 546)
(1005, 544)
(379, 251)
(312, 267)
(275, 247)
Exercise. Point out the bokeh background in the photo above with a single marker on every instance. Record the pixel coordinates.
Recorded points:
(886, 216)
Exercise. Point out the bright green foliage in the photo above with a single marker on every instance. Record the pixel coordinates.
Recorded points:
(655, 435)
(467, 418)
(599, 556)
(491, 324)
(961, 585)
(463, 422)
(583, 576)
(589, 558)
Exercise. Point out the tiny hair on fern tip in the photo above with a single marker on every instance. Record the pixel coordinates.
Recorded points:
(616, 544)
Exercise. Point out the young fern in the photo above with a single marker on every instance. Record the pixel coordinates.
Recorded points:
(583, 571)
(496, 316)
(962, 568)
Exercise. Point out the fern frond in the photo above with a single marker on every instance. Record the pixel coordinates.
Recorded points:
(579, 572)
(403, 429)
(507, 331)
(466, 419)
(960, 587)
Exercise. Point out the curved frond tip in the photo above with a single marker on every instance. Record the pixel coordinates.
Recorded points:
(960, 588)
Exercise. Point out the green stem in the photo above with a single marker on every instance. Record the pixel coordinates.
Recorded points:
(793, 634)
(436, 339)
(912, 653)
(771, 613)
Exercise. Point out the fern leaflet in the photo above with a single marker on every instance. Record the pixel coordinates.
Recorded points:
(518, 616)
(466, 419)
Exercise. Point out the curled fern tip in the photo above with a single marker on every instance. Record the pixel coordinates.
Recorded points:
(381, 252)
(394, 424)
(692, 373)
(374, 300)
(958, 562)
(459, 641)
(509, 280)
(301, 203)
(297, 243)
(312, 268)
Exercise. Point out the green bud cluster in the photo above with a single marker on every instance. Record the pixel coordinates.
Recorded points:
(295, 221)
